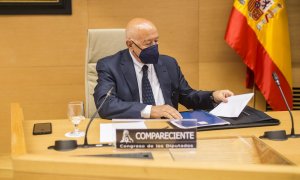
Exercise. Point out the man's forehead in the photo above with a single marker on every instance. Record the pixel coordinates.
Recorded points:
(151, 38)
(148, 35)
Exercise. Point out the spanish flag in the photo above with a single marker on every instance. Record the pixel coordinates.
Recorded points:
(258, 31)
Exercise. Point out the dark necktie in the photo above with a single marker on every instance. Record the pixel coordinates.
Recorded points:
(147, 93)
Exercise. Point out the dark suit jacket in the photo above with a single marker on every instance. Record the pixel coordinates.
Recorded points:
(118, 71)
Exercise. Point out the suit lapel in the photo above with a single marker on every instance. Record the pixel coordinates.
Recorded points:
(128, 70)
(164, 81)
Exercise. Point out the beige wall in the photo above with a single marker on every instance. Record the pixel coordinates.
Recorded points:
(42, 57)
(41, 65)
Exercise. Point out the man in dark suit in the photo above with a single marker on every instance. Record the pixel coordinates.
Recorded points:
(145, 83)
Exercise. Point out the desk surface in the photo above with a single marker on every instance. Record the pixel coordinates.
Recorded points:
(38, 160)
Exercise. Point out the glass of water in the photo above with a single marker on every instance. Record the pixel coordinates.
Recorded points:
(75, 115)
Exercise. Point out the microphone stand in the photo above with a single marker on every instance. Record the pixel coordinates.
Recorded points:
(67, 145)
(292, 135)
(86, 144)
(281, 134)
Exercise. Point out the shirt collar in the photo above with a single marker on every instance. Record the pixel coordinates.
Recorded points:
(138, 64)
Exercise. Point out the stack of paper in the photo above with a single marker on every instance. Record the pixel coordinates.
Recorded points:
(233, 107)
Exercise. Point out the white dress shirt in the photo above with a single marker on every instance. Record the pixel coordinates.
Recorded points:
(157, 93)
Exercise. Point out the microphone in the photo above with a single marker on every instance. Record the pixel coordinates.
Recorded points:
(67, 145)
(86, 144)
(276, 79)
(281, 134)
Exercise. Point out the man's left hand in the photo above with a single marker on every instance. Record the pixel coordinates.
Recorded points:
(222, 95)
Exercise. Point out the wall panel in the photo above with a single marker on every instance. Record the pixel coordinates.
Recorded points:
(293, 7)
(219, 66)
(41, 64)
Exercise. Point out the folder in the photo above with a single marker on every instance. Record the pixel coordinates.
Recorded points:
(203, 119)
(249, 117)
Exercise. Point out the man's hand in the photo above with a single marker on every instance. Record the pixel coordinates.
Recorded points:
(165, 111)
(222, 95)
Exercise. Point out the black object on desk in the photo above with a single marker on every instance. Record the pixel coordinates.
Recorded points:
(64, 145)
(67, 145)
(280, 135)
(250, 117)
(42, 128)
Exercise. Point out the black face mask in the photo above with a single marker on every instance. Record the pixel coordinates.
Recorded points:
(149, 55)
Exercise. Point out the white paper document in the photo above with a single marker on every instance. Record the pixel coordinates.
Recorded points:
(108, 130)
(233, 107)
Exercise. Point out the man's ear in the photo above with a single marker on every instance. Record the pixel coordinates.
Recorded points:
(129, 43)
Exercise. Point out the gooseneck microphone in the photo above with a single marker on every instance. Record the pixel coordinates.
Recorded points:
(67, 145)
(281, 134)
(86, 144)
(276, 79)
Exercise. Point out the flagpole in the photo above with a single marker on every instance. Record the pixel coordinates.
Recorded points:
(254, 93)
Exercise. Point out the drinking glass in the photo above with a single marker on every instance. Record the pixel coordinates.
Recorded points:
(75, 115)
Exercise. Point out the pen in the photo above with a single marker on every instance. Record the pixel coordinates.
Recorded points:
(102, 145)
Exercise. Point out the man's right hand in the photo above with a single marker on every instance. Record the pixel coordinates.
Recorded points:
(164, 111)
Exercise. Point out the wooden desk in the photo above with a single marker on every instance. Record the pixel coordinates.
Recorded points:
(32, 160)
(6, 172)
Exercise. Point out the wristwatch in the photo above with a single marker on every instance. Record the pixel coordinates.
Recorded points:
(212, 99)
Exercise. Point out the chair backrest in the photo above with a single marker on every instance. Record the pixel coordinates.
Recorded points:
(100, 43)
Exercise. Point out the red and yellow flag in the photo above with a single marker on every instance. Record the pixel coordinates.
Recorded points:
(258, 31)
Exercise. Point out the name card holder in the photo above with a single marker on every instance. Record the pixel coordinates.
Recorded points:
(157, 137)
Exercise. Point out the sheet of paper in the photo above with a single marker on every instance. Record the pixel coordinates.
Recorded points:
(108, 130)
(233, 107)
